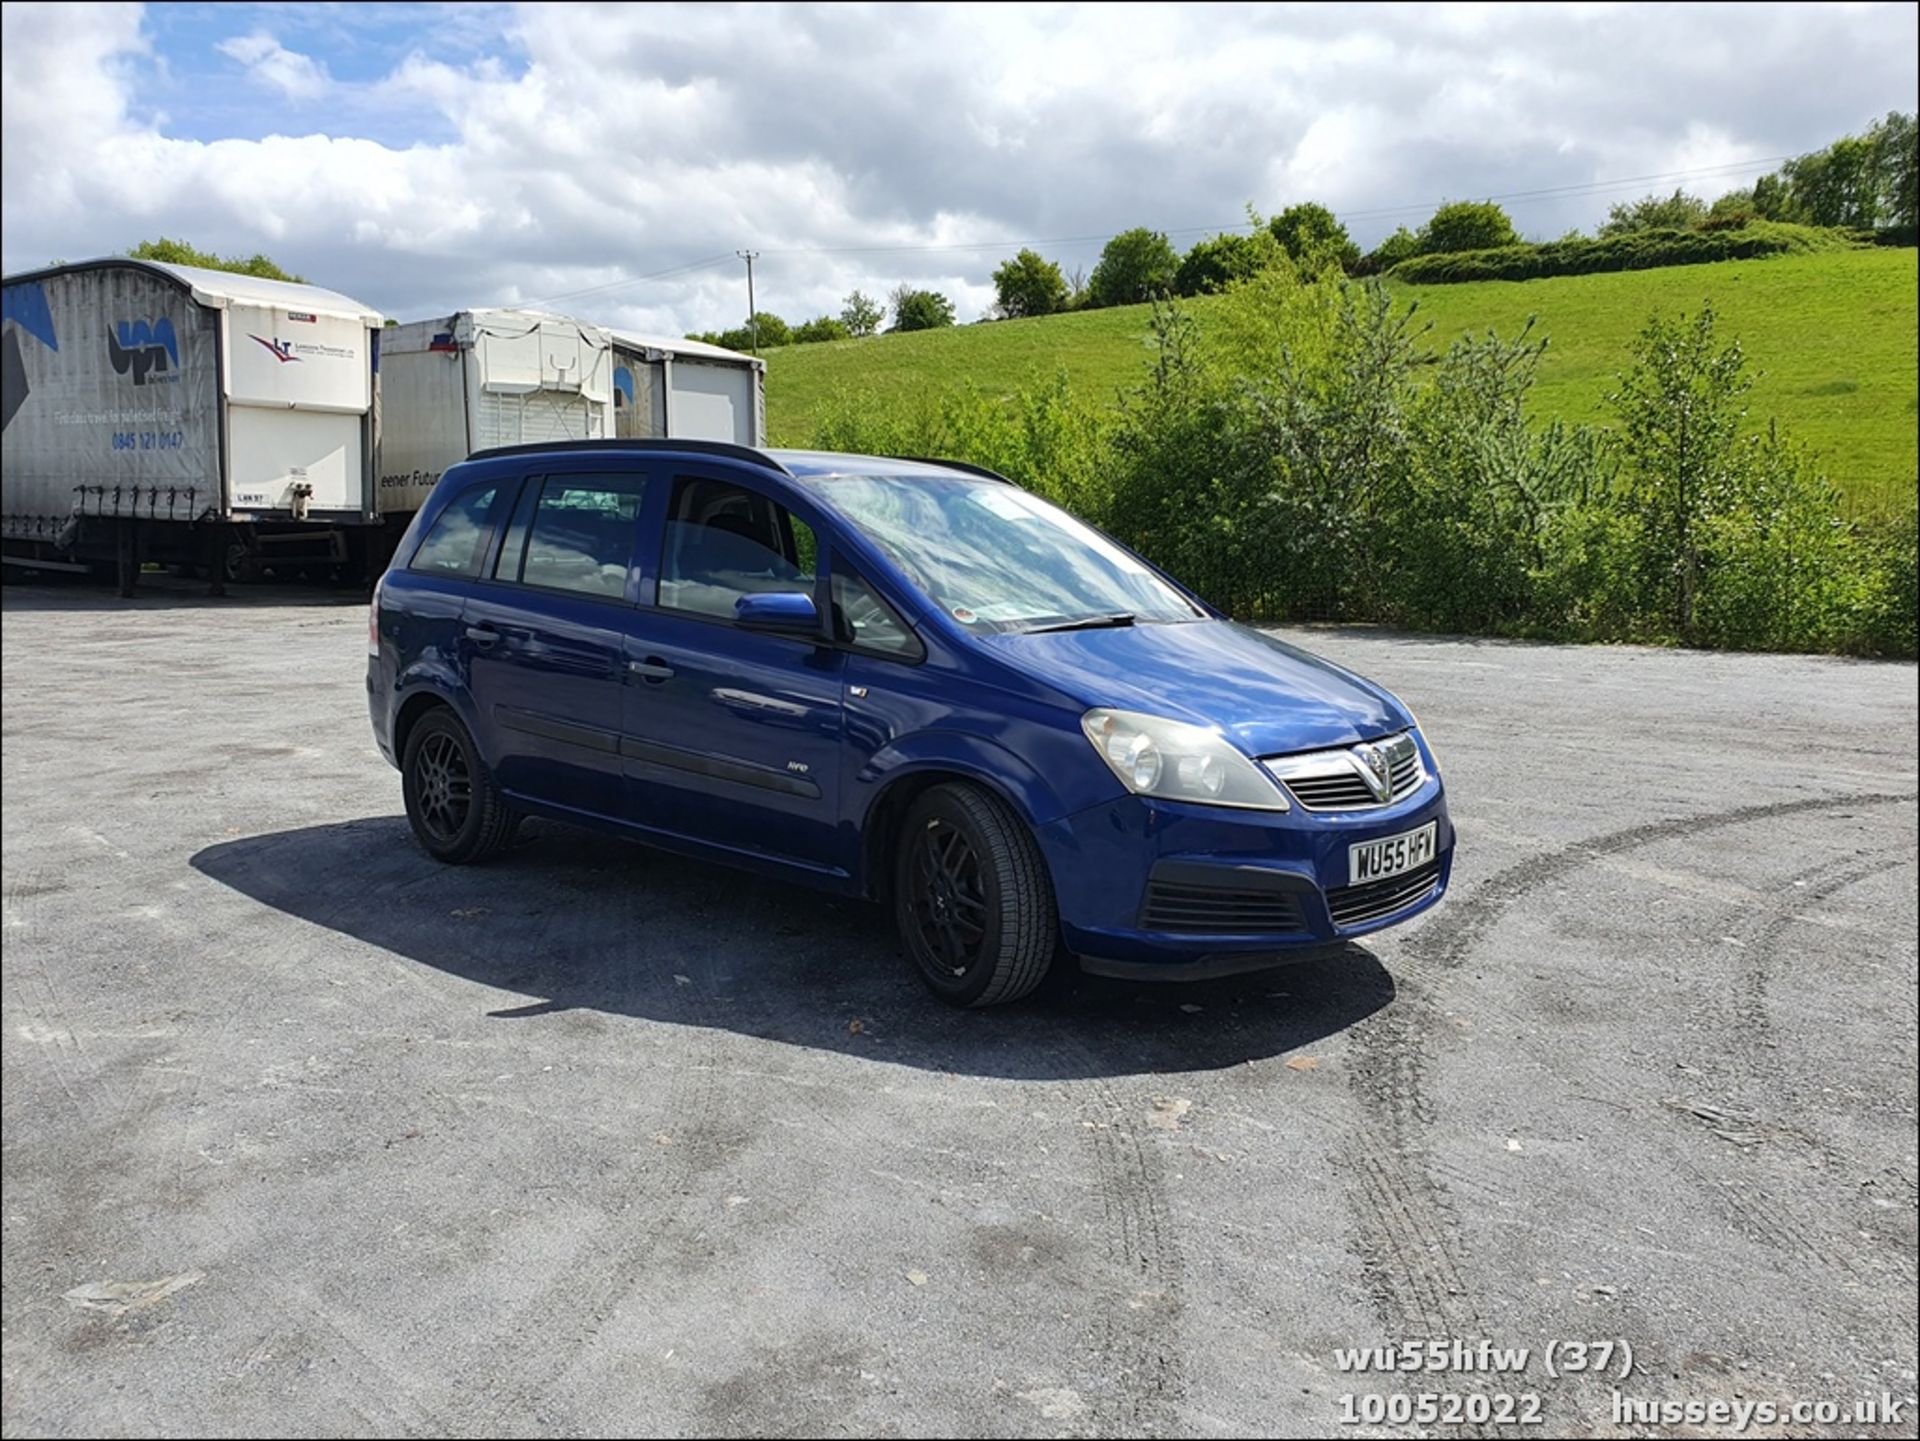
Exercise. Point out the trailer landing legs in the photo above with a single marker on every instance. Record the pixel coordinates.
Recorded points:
(214, 546)
(127, 558)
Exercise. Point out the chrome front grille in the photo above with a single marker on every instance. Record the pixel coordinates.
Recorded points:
(1342, 780)
(1356, 905)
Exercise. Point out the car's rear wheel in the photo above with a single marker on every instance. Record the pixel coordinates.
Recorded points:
(972, 898)
(457, 813)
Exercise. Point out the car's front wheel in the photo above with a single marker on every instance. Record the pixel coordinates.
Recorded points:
(972, 898)
(457, 813)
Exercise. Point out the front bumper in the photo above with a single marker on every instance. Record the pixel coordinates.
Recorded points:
(1144, 884)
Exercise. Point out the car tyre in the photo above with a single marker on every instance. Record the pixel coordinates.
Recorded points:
(457, 812)
(972, 898)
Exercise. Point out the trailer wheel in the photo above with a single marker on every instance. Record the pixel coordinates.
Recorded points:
(242, 565)
(457, 812)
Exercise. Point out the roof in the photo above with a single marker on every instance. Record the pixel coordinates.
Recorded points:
(801, 464)
(221, 288)
(499, 321)
(699, 349)
(833, 462)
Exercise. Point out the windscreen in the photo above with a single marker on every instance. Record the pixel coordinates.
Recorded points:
(998, 559)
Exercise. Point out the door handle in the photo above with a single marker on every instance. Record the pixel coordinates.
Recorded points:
(651, 670)
(483, 635)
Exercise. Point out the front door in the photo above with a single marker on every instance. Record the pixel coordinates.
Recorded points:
(547, 635)
(732, 736)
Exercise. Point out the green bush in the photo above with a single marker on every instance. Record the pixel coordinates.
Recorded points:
(820, 328)
(1678, 211)
(1029, 284)
(1307, 456)
(919, 309)
(1403, 244)
(1636, 250)
(1135, 265)
(1467, 225)
(1215, 263)
(1311, 234)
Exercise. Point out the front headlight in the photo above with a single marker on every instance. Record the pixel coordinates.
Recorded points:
(1424, 737)
(1154, 756)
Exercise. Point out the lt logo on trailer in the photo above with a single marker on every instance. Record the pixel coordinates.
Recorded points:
(282, 349)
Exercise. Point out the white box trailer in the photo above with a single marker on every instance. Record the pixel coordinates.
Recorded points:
(687, 389)
(483, 378)
(174, 412)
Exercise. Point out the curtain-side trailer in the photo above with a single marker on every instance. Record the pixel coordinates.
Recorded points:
(166, 412)
(478, 379)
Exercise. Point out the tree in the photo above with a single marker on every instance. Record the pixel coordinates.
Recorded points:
(1896, 170)
(178, 252)
(1680, 407)
(1467, 225)
(861, 314)
(1215, 263)
(1029, 284)
(920, 309)
(1310, 233)
(1836, 186)
(1733, 203)
(764, 331)
(1077, 288)
(823, 327)
(1403, 244)
(1678, 211)
(1136, 265)
(1773, 200)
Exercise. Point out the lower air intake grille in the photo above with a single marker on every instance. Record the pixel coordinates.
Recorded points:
(1206, 910)
(1355, 905)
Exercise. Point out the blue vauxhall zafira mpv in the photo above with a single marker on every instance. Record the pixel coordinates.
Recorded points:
(901, 679)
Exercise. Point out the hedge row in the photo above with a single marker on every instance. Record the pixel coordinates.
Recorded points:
(1305, 456)
(1640, 250)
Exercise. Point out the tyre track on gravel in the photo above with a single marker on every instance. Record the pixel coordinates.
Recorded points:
(1812, 888)
(653, 1200)
(1409, 1242)
(1136, 1329)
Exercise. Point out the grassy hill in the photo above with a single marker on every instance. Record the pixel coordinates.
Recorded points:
(1833, 337)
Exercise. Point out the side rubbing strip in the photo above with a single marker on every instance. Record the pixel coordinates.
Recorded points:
(718, 768)
(548, 728)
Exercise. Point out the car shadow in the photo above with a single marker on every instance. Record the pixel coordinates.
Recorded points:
(571, 920)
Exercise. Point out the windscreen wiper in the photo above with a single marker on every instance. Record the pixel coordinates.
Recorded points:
(1092, 622)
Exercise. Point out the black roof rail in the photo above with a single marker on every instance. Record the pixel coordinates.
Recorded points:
(966, 465)
(643, 444)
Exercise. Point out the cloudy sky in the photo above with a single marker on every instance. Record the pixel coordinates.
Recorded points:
(611, 159)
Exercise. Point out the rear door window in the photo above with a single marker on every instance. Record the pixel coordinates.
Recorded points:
(457, 543)
(574, 533)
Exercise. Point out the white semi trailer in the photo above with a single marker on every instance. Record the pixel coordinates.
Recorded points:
(687, 389)
(171, 413)
(483, 378)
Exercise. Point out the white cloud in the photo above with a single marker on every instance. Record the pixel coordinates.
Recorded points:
(269, 63)
(847, 143)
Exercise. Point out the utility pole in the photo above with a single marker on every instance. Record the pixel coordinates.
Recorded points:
(753, 316)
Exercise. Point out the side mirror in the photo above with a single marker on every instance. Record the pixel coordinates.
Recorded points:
(790, 612)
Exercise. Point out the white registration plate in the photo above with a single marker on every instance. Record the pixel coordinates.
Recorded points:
(1391, 855)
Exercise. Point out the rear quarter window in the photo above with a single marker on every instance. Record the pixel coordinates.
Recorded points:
(456, 545)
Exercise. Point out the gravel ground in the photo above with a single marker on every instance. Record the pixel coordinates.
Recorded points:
(304, 1134)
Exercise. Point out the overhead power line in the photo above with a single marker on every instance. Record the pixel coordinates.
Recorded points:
(1573, 191)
